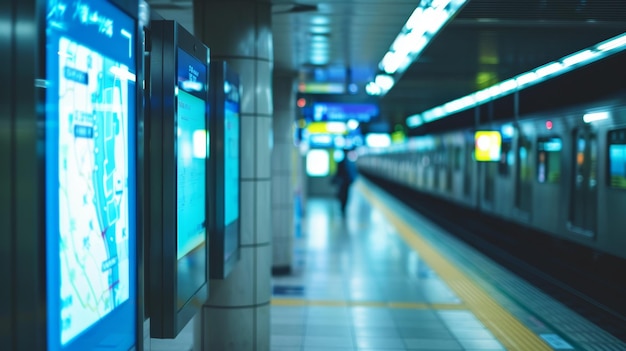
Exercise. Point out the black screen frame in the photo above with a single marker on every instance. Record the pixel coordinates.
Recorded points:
(221, 266)
(166, 318)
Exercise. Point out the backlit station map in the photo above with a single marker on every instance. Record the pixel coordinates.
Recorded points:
(90, 176)
(93, 187)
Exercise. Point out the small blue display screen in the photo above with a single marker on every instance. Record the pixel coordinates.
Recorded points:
(231, 161)
(90, 176)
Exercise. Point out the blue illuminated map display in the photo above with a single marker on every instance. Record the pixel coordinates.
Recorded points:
(93, 187)
(90, 184)
(231, 163)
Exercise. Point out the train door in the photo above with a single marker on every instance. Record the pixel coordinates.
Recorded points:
(490, 169)
(468, 150)
(523, 176)
(583, 205)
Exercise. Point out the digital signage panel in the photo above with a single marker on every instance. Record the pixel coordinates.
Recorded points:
(231, 162)
(177, 199)
(90, 176)
(225, 151)
(191, 131)
(342, 111)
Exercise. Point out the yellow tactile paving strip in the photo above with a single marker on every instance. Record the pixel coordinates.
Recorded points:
(503, 325)
(345, 303)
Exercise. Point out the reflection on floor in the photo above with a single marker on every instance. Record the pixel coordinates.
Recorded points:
(358, 286)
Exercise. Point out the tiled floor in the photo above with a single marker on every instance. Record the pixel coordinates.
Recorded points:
(357, 286)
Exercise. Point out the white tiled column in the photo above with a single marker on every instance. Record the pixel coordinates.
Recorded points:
(282, 173)
(236, 316)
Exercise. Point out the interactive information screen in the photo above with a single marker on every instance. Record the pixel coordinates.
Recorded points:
(90, 176)
(231, 162)
(191, 175)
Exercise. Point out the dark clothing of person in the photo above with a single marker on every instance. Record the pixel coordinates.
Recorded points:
(343, 179)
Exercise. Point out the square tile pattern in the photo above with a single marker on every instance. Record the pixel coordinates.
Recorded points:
(357, 286)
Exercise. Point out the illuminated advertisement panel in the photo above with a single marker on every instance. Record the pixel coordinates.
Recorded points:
(177, 199)
(191, 156)
(90, 176)
(488, 144)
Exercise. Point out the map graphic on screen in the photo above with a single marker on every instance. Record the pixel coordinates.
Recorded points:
(231, 163)
(93, 186)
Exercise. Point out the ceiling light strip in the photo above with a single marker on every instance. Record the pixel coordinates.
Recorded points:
(425, 21)
(524, 80)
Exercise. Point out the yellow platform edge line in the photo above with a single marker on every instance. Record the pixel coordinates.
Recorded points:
(345, 303)
(513, 334)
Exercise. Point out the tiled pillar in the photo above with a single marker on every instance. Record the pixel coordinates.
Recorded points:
(282, 173)
(236, 316)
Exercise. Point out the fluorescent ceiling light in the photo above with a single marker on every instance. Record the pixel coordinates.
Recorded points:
(613, 43)
(436, 20)
(578, 57)
(415, 18)
(508, 85)
(548, 69)
(482, 95)
(384, 81)
(319, 60)
(406, 62)
(526, 78)
(433, 114)
(459, 104)
(319, 29)
(319, 39)
(319, 45)
(373, 89)
(440, 4)
(595, 116)
(320, 20)
(540, 74)
(414, 121)
(391, 62)
(427, 19)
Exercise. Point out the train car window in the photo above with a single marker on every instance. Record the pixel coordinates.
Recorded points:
(490, 185)
(617, 159)
(506, 158)
(457, 158)
(549, 159)
(524, 176)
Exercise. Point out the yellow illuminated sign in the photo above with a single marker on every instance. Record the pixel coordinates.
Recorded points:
(488, 145)
(337, 128)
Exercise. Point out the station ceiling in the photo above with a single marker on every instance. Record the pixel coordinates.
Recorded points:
(488, 41)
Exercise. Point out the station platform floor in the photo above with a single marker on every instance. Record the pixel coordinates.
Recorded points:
(385, 278)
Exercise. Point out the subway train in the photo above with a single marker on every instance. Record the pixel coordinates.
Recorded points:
(562, 172)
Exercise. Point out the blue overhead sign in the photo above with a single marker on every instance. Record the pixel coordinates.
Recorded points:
(338, 111)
